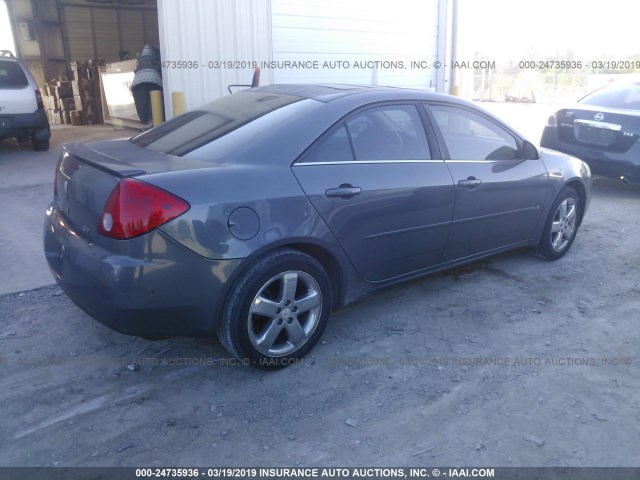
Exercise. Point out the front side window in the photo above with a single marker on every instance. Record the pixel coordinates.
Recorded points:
(470, 136)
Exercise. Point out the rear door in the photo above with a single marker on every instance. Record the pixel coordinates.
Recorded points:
(373, 180)
(498, 194)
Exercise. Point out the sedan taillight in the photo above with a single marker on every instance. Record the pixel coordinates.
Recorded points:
(135, 208)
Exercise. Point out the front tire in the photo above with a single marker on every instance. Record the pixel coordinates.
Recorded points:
(40, 145)
(562, 225)
(277, 310)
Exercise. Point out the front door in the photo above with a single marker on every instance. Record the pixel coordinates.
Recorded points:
(498, 194)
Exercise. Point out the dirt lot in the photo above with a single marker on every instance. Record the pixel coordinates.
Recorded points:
(26, 187)
(513, 361)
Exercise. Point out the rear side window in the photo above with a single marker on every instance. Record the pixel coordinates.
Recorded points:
(12, 76)
(616, 96)
(387, 133)
(392, 132)
(335, 147)
(196, 129)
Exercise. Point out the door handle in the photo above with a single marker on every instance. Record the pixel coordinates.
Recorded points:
(470, 183)
(343, 191)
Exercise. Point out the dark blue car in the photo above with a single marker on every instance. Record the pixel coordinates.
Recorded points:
(602, 129)
(256, 215)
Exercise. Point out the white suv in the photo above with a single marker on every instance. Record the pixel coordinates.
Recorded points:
(22, 112)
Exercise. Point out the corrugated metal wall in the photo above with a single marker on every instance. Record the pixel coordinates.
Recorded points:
(210, 32)
(100, 33)
(358, 32)
(79, 33)
(105, 31)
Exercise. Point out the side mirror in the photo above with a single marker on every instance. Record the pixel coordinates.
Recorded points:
(529, 151)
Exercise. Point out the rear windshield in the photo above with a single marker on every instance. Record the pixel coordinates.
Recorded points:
(615, 96)
(12, 76)
(195, 129)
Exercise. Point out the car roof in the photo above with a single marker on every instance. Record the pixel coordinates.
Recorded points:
(330, 92)
(346, 97)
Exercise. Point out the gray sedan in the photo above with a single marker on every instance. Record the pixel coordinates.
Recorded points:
(256, 215)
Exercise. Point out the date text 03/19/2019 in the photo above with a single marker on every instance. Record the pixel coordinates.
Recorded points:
(413, 64)
(314, 472)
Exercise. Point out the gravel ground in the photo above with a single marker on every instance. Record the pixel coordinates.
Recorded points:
(26, 188)
(512, 361)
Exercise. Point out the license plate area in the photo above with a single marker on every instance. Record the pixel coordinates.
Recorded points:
(595, 133)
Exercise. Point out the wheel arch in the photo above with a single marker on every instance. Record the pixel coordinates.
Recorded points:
(582, 193)
(330, 264)
(320, 253)
(237, 337)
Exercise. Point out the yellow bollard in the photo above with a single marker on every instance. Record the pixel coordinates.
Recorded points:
(455, 90)
(177, 103)
(157, 111)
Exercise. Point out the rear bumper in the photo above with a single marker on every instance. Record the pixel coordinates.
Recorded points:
(608, 164)
(153, 286)
(25, 123)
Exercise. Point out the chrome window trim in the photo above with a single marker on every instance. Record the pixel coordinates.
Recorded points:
(485, 161)
(359, 162)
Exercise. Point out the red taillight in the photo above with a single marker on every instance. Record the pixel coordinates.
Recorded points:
(39, 99)
(135, 208)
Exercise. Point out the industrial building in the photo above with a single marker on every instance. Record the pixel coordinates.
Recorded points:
(212, 47)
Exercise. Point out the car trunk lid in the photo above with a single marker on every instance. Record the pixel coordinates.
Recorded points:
(17, 96)
(87, 174)
(601, 128)
(18, 102)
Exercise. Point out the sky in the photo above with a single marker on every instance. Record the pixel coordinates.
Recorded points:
(506, 29)
(6, 40)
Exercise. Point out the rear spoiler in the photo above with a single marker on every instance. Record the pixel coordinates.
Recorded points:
(100, 160)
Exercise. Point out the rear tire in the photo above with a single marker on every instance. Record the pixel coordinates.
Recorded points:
(562, 225)
(40, 145)
(40, 139)
(277, 310)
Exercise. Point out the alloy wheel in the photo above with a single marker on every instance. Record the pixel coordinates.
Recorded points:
(284, 313)
(563, 226)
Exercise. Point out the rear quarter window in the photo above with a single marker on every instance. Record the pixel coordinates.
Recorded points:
(196, 130)
(12, 76)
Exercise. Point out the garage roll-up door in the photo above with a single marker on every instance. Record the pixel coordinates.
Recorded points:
(357, 33)
(100, 33)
